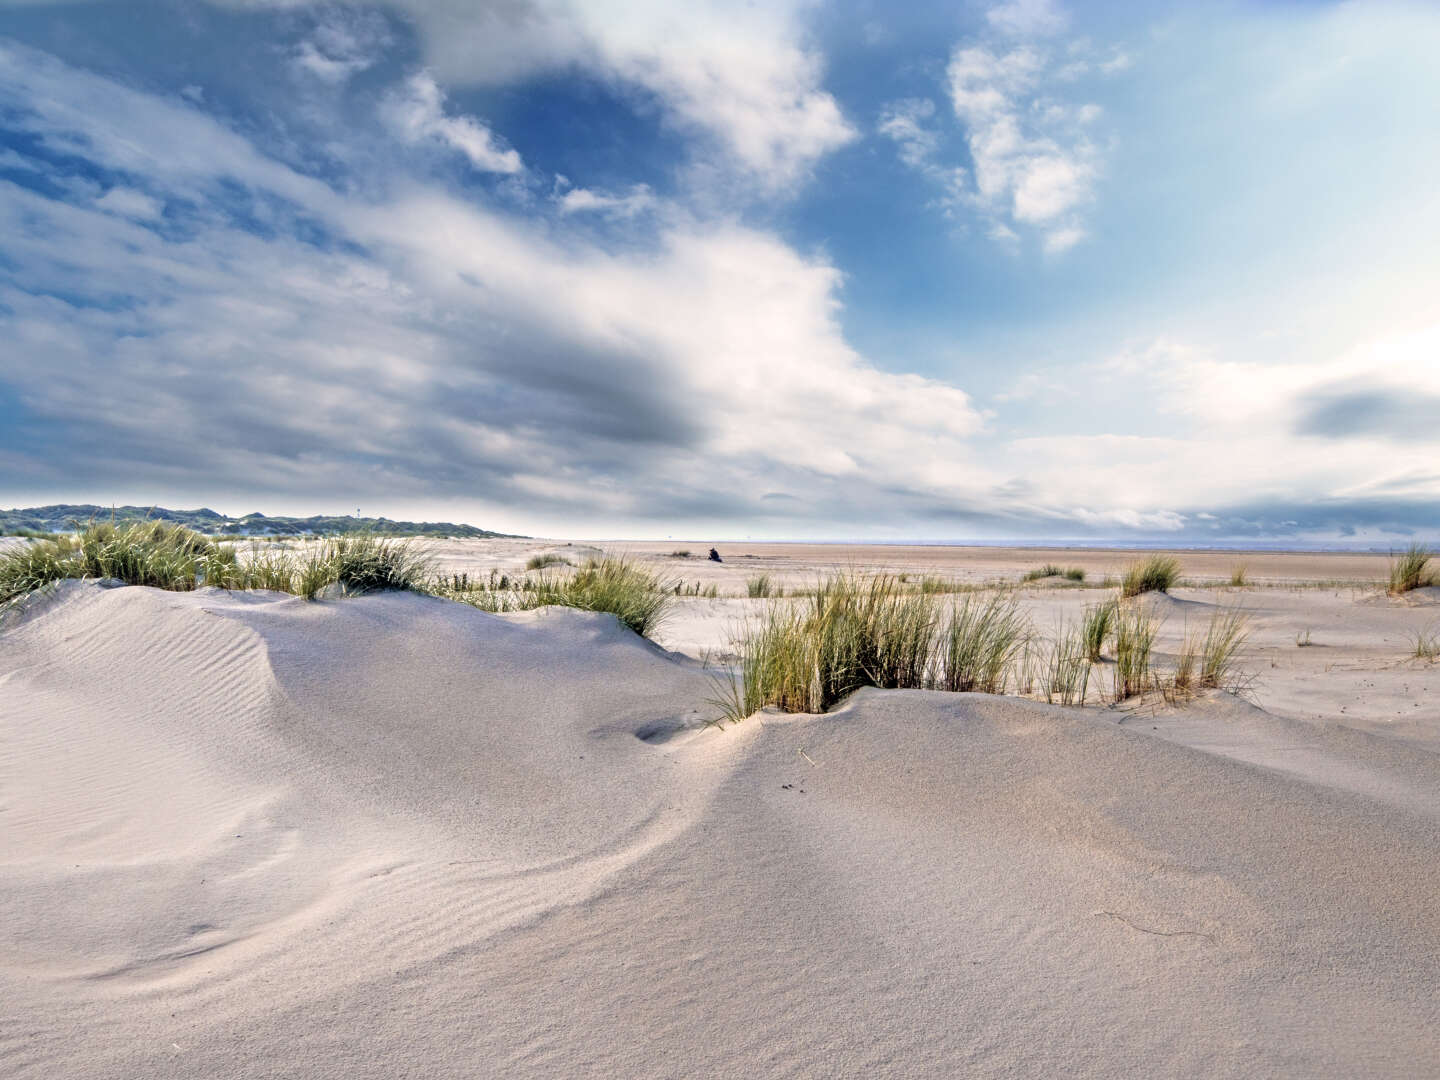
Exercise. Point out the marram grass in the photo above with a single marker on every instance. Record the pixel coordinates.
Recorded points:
(150, 553)
(178, 559)
(639, 599)
(1158, 573)
(1049, 570)
(1063, 667)
(1096, 628)
(1135, 630)
(859, 630)
(1410, 570)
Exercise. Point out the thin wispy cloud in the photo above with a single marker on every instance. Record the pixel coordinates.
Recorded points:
(417, 114)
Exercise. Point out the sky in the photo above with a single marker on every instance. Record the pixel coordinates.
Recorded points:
(797, 269)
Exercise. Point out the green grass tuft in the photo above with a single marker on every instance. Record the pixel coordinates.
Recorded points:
(1064, 667)
(1049, 570)
(544, 562)
(1227, 633)
(980, 644)
(1427, 643)
(1158, 573)
(852, 631)
(1096, 628)
(150, 553)
(1135, 630)
(758, 586)
(1410, 570)
(638, 598)
(361, 564)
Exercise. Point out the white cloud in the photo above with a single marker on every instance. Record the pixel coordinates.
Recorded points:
(1060, 240)
(127, 202)
(1239, 432)
(417, 114)
(342, 44)
(1032, 160)
(637, 200)
(1027, 17)
(742, 76)
(906, 123)
(1033, 163)
(1117, 62)
(739, 73)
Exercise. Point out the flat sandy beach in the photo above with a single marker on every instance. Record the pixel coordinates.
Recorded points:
(391, 835)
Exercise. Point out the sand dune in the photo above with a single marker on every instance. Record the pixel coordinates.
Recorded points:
(249, 836)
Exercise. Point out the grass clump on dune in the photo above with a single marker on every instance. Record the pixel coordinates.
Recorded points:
(1410, 570)
(1227, 633)
(1238, 576)
(150, 553)
(758, 586)
(1427, 643)
(639, 599)
(1209, 662)
(173, 557)
(635, 596)
(1182, 680)
(545, 561)
(1064, 667)
(1096, 628)
(979, 645)
(1049, 570)
(1158, 573)
(1135, 630)
(361, 564)
(855, 631)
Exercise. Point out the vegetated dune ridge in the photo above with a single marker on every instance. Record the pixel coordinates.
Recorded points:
(249, 836)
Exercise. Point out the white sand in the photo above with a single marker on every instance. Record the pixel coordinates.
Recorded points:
(393, 836)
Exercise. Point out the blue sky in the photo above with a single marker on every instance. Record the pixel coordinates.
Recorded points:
(1005, 269)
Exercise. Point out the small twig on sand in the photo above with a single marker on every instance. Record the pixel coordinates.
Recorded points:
(1157, 933)
(807, 757)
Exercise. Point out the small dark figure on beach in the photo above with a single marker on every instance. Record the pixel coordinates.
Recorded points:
(715, 556)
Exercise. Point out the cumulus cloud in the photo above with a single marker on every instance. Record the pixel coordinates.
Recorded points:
(416, 114)
(1034, 162)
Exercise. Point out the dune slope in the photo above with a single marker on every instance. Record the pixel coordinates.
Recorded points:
(251, 836)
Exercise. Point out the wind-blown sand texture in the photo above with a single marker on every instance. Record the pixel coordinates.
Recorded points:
(246, 835)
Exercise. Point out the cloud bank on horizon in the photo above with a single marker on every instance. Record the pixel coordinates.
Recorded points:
(791, 270)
